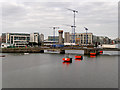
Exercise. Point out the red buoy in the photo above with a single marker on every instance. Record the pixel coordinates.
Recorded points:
(67, 59)
(100, 51)
(92, 56)
(78, 57)
(92, 53)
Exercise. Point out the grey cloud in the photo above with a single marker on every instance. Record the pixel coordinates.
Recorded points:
(39, 16)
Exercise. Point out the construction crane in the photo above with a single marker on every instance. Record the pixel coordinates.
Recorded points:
(54, 32)
(72, 31)
(74, 26)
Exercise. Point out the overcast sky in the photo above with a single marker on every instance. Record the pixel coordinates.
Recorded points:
(101, 18)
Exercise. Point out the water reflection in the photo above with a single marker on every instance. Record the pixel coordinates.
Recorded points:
(78, 59)
(100, 53)
(67, 63)
(92, 56)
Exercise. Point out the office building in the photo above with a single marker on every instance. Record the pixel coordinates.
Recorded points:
(60, 37)
(17, 39)
(66, 37)
(82, 38)
(53, 38)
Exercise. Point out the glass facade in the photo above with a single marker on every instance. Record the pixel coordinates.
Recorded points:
(53, 38)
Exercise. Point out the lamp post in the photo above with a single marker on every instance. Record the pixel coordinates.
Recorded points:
(86, 36)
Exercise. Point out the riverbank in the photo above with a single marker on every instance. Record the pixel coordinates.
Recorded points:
(21, 50)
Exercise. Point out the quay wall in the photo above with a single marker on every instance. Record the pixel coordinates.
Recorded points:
(21, 50)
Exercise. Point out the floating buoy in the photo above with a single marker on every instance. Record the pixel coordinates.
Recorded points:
(67, 63)
(100, 51)
(92, 56)
(67, 59)
(78, 57)
(92, 53)
(26, 53)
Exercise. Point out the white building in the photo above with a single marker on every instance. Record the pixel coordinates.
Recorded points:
(17, 39)
(34, 37)
(41, 37)
(66, 37)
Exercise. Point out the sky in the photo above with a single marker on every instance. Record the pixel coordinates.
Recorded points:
(100, 17)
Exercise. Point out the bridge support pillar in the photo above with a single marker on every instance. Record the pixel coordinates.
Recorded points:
(62, 51)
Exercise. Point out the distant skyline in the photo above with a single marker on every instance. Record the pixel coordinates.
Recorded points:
(101, 18)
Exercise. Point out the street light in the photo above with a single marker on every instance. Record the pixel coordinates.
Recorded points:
(86, 36)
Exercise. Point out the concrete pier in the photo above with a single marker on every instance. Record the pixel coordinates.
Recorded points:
(21, 50)
(87, 52)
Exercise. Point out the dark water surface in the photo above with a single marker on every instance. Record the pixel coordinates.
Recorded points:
(48, 71)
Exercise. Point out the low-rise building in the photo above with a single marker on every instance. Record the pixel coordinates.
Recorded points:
(17, 39)
(53, 38)
(66, 37)
(49, 43)
(82, 38)
(22, 39)
(101, 40)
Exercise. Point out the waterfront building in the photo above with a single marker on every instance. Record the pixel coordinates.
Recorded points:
(66, 37)
(16, 39)
(36, 39)
(41, 37)
(53, 38)
(22, 39)
(101, 40)
(3, 38)
(0, 40)
(82, 39)
(117, 40)
(61, 42)
(49, 43)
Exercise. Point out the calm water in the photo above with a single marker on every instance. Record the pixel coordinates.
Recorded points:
(48, 71)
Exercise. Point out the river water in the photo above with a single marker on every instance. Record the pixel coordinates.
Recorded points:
(47, 70)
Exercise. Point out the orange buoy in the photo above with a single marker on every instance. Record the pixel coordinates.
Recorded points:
(92, 53)
(67, 59)
(100, 51)
(92, 56)
(79, 57)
